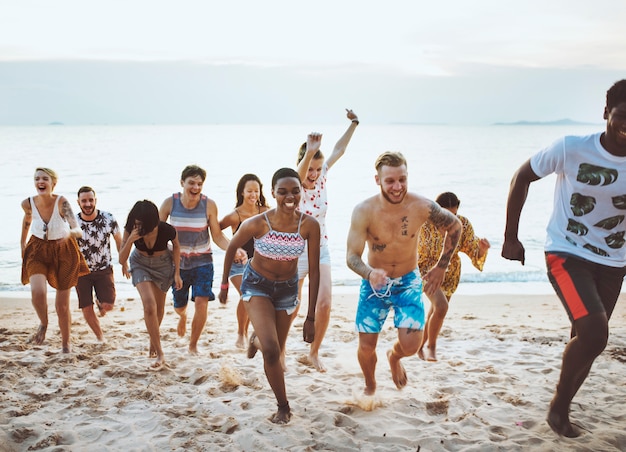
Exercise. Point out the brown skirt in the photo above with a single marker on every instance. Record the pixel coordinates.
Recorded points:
(59, 260)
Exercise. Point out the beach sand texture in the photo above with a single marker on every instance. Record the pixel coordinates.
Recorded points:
(499, 362)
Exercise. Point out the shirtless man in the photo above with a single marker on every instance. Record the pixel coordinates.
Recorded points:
(389, 223)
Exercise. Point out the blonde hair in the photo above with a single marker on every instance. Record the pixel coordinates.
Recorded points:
(49, 172)
(389, 158)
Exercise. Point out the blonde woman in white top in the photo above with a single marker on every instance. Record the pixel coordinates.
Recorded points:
(51, 255)
(313, 170)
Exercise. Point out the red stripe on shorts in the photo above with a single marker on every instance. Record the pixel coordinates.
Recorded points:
(566, 286)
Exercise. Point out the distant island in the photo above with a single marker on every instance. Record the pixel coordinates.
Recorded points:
(55, 123)
(558, 122)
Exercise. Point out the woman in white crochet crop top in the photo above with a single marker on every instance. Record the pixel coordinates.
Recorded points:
(51, 255)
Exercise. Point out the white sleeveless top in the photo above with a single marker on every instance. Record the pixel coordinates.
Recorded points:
(57, 228)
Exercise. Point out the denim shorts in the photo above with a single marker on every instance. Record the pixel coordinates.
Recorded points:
(403, 294)
(303, 260)
(282, 294)
(200, 279)
(236, 269)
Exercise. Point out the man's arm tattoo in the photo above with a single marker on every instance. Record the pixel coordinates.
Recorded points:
(356, 264)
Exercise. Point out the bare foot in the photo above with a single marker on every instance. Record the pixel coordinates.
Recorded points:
(398, 374)
(241, 341)
(369, 392)
(182, 325)
(561, 425)
(157, 365)
(40, 335)
(152, 353)
(431, 354)
(283, 415)
(315, 361)
(193, 350)
(252, 347)
(66, 349)
(420, 354)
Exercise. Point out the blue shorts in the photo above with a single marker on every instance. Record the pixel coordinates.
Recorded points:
(200, 279)
(282, 294)
(403, 294)
(236, 269)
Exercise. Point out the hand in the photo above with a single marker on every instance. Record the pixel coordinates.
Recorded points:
(308, 330)
(513, 250)
(351, 115)
(134, 234)
(433, 279)
(313, 142)
(378, 278)
(178, 282)
(76, 232)
(241, 257)
(483, 246)
(125, 271)
(223, 296)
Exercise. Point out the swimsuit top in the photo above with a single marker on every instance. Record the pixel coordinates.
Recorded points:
(166, 233)
(249, 245)
(56, 228)
(280, 246)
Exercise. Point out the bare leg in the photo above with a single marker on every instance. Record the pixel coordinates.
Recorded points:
(271, 327)
(242, 316)
(407, 344)
(322, 316)
(147, 291)
(182, 321)
(436, 315)
(38, 290)
(198, 323)
(92, 320)
(591, 338)
(367, 360)
(62, 305)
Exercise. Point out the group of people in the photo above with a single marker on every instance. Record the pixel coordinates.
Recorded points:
(412, 249)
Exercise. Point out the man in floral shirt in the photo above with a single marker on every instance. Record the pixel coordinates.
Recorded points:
(98, 227)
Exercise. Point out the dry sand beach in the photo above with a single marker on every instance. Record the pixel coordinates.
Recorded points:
(499, 361)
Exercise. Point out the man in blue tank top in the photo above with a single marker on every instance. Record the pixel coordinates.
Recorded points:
(195, 218)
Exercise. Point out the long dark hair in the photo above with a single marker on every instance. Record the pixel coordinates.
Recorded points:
(261, 202)
(146, 212)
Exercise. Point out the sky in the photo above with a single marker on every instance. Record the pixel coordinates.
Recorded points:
(407, 61)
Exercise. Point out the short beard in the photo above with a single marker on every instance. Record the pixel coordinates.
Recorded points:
(386, 196)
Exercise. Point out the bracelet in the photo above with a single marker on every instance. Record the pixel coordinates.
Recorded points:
(310, 319)
(224, 286)
(356, 120)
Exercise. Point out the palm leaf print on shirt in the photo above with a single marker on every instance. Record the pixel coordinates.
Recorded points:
(595, 250)
(615, 240)
(610, 223)
(576, 227)
(596, 175)
(581, 204)
(619, 202)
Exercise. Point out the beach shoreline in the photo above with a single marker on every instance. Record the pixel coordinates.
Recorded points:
(499, 361)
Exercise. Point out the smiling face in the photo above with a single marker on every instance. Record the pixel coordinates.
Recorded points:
(44, 183)
(313, 173)
(393, 181)
(286, 191)
(251, 192)
(192, 186)
(616, 129)
(87, 203)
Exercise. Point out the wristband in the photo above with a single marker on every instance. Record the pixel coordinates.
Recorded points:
(224, 286)
(356, 120)
(310, 319)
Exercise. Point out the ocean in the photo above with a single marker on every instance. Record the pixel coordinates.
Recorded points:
(128, 163)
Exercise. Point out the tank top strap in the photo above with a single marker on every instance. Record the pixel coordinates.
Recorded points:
(300, 222)
(268, 221)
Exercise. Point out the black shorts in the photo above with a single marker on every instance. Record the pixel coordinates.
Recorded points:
(102, 282)
(584, 287)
